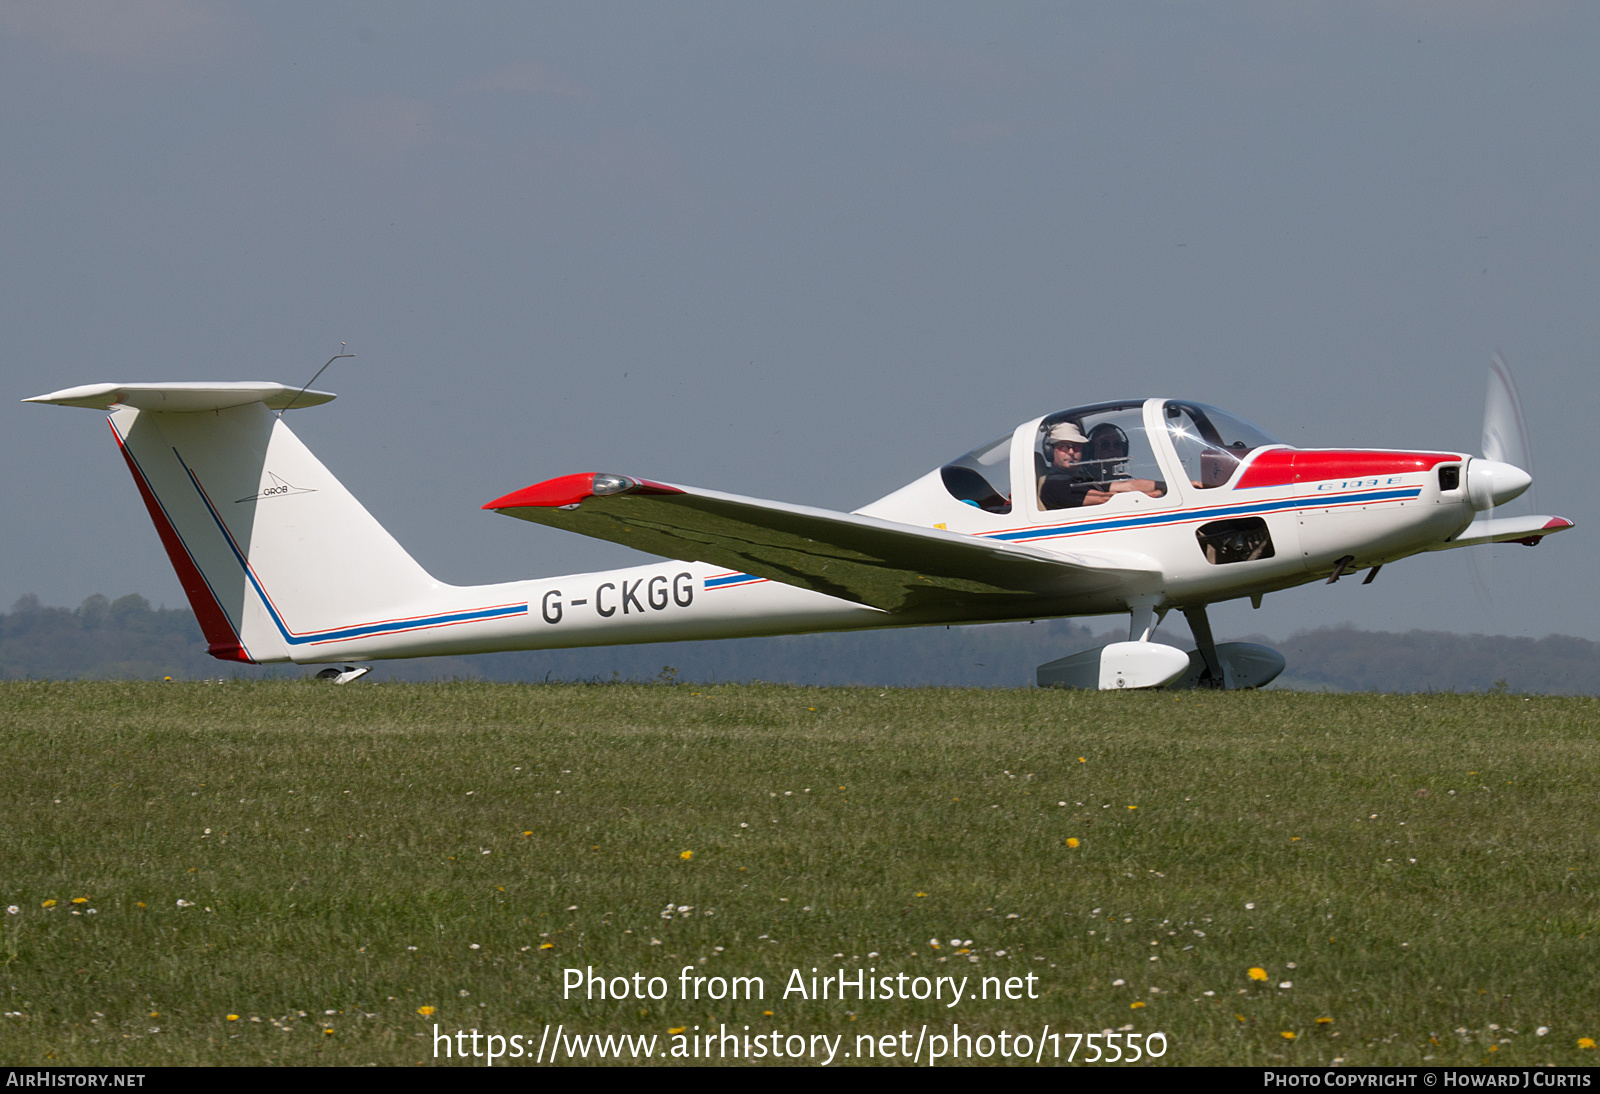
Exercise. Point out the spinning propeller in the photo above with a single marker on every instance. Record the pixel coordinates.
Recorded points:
(1505, 444)
(1507, 465)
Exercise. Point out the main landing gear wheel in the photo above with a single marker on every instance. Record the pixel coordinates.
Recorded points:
(1143, 663)
(344, 675)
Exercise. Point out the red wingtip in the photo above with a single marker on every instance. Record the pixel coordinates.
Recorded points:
(567, 490)
(571, 489)
(1558, 522)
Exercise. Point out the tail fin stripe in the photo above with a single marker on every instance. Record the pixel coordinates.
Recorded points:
(221, 635)
(341, 634)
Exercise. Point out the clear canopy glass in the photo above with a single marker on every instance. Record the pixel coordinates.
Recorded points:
(1089, 455)
(1211, 443)
(982, 478)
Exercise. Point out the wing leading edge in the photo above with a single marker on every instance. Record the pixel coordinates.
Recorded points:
(894, 567)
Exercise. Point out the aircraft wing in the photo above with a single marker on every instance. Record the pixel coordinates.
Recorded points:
(879, 563)
(1528, 530)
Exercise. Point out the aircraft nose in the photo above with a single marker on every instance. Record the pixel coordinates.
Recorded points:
(1491, 483)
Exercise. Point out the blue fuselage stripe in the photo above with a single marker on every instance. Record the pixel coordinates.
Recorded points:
(1182, 516)
(359, 631)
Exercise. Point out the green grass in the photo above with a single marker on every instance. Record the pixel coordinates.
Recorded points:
(1426, 862)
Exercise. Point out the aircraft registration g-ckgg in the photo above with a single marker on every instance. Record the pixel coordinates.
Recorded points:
(1138, 507)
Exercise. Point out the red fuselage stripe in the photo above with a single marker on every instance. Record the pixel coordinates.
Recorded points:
(1286, 466)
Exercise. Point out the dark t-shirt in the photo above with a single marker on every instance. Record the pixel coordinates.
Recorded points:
(1066, 488)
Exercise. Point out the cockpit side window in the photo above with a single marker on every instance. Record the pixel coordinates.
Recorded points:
(1089, 455)
(1211, 443)
(982, 478)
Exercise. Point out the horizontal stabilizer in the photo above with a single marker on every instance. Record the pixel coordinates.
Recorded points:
(1526, 530)
(184, 396)
(865, 560)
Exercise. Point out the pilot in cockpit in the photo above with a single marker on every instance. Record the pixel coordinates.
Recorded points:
(1084, 470)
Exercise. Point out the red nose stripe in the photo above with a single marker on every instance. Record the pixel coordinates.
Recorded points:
(1282, 466)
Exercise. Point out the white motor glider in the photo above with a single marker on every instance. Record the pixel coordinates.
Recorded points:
(1138, 507)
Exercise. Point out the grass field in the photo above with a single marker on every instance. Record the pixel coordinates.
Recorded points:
(324, 862)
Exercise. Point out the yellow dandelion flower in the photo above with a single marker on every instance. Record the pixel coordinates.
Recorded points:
(1494, 1048)
(686, 856)
(1287, 1035)
(1239, 1016)
(1585, 1042)
(1081, 760)
(1324, 1021)
(1072, 841)
(527, 833)
(547, 946)
(1136, 1006)
(233, 1017)
(766, 1014)
(425, 1011)
(80, 900)
(675, 1030)
(1133, 807)
(48, 904)
(155, 1014)
(139, 904)
(922, 894)
(328, 1030)
(1257, 973)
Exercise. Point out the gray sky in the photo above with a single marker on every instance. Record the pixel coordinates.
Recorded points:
(805, 252)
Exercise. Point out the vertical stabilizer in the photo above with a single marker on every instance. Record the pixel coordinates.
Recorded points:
(276, 556)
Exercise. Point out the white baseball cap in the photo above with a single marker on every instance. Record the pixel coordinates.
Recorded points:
(1065, 433)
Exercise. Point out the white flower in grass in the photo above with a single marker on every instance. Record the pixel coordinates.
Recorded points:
(12, 909)
(185, 903)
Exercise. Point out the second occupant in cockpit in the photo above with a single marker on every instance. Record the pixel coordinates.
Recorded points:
(1084, 470)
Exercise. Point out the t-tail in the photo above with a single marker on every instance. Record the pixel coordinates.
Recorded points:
(280, 562)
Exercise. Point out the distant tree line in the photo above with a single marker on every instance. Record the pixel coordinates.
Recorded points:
(102, 639)
(127, 638)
